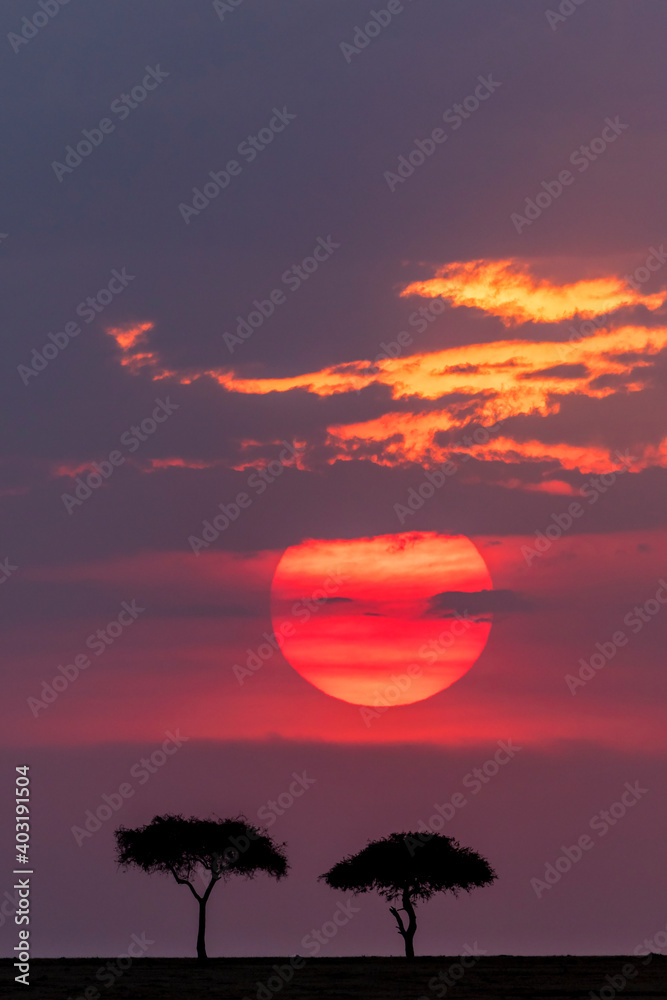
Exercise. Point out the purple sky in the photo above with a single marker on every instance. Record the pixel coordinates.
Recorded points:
(546, 335)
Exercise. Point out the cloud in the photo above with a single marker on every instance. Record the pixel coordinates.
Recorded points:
(132, 339)
(505, 288)
(397, 412)
(559, 371)
(447, 603)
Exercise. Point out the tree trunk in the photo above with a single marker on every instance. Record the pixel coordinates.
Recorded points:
(202, 901)
(409, 935)
(201, 933)
(406, 932)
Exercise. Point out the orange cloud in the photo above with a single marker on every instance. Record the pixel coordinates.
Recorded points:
(487, 382)
(502, 379)
(506, 289)
(156, 464)
(413, 441)
(69, 469)
(131, 337)
(477, 383)
(519, 372)
(128, 336)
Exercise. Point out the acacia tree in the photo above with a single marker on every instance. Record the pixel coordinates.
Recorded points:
(410, 868)
(202, 850)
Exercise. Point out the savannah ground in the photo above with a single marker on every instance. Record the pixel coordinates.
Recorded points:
(491, 978)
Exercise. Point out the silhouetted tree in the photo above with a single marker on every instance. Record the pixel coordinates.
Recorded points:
(213, 849)
(410, 867)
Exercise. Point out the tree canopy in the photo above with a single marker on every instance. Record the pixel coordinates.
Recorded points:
(425, 864)
(191, 849)
(224, 847)
(411, 867)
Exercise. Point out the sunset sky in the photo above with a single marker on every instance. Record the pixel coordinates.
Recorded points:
(412, 348)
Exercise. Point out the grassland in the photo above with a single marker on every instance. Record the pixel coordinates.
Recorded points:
(491, 978)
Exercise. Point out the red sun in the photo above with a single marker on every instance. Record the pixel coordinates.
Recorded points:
(381, 620)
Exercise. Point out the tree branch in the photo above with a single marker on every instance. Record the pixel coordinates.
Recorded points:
(209, 887)
(401, 926)
(184, 881)
(410, 910)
